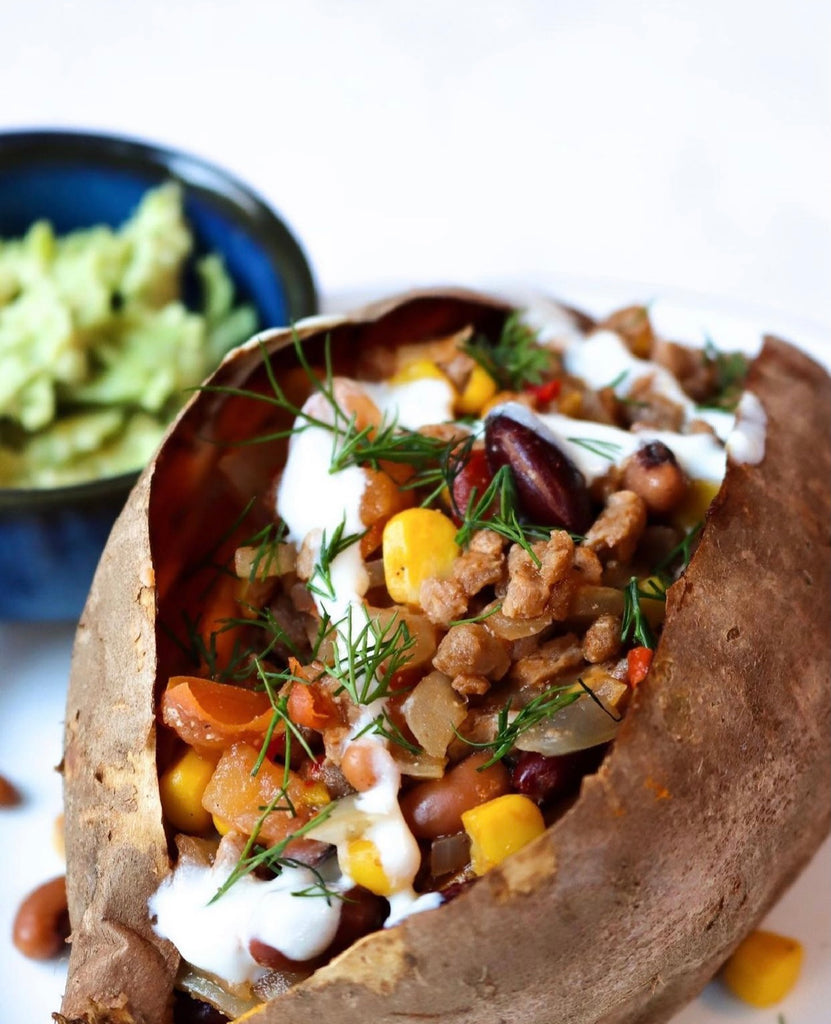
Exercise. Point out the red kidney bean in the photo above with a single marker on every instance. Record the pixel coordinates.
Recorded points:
(450, 892)
(550, 488)
(362, 912)
(544, 779)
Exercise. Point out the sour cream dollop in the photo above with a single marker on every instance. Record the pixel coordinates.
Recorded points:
(746, 442)
(216, 936)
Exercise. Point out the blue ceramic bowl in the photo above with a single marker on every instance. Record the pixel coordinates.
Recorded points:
(50, 540)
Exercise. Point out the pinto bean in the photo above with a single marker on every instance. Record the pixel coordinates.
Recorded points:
(41, 925)
(550, 488)
(358, 765)
(434, 808)
(9, 795)
(653, 473)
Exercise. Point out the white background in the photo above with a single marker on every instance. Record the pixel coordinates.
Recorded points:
(681, 146)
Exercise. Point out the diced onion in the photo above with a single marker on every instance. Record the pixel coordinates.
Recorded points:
(590, 602)
(375, 573)
(262, 564)
(449, 854)
(206, 987)
(500, 625)
(418, 766)
(418, 626)
(581, 724)
(434, 711)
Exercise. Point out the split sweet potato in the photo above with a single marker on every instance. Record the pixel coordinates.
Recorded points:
(714, 795)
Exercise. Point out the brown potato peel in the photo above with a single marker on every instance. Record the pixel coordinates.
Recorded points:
(715, 795)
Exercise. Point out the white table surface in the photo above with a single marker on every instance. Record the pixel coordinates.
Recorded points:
(681, 145)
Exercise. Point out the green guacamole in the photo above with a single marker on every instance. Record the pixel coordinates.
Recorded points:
(96, 345)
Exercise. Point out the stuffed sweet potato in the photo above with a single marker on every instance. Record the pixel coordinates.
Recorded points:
(445, 655)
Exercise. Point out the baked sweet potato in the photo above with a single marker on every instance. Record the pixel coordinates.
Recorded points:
(713, 796)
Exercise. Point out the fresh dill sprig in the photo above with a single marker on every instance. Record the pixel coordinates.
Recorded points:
(204, 653)
(272, 681)
(371, 656)
(370, 445)
(389, 443)
(321, 582)
(634, 625)
(510, 726)
(324, 631)
(496, 510)
(383, 725)
(481, 617)
(605, 449)
(730, 371)
(516, 359)
(320, 888)
(253, 857)
(682, 550)
(614, 384)
(265, 543)
(279, 400)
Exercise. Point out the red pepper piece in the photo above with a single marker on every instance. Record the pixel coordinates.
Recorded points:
(638, 661)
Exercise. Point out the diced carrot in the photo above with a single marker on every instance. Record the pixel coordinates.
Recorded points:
(381, 499)
(238, 798)
(221, 605)
(210, 716)
(310, 706)
(638, 661)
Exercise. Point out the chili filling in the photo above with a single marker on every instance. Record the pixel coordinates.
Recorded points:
(403, 676)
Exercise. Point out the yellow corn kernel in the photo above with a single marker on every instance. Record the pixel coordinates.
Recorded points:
(418, 543)
(222, 826)
(417, 369)
(364, 867)
(764, 968)
(182, 787)
(501, 827)
(699, 497)
(313, 795)
(479, 390)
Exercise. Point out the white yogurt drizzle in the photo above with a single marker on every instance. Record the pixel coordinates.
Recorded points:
(374, 814)
(595, 447)
(215, 936)
(746, 443)
(603, 359)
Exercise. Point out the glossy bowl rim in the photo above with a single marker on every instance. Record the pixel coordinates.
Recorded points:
(199, 175)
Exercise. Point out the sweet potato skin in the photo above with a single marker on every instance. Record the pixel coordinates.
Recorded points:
(119, 970)
(715, 795)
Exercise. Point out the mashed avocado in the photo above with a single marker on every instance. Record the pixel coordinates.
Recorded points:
(97, 346)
